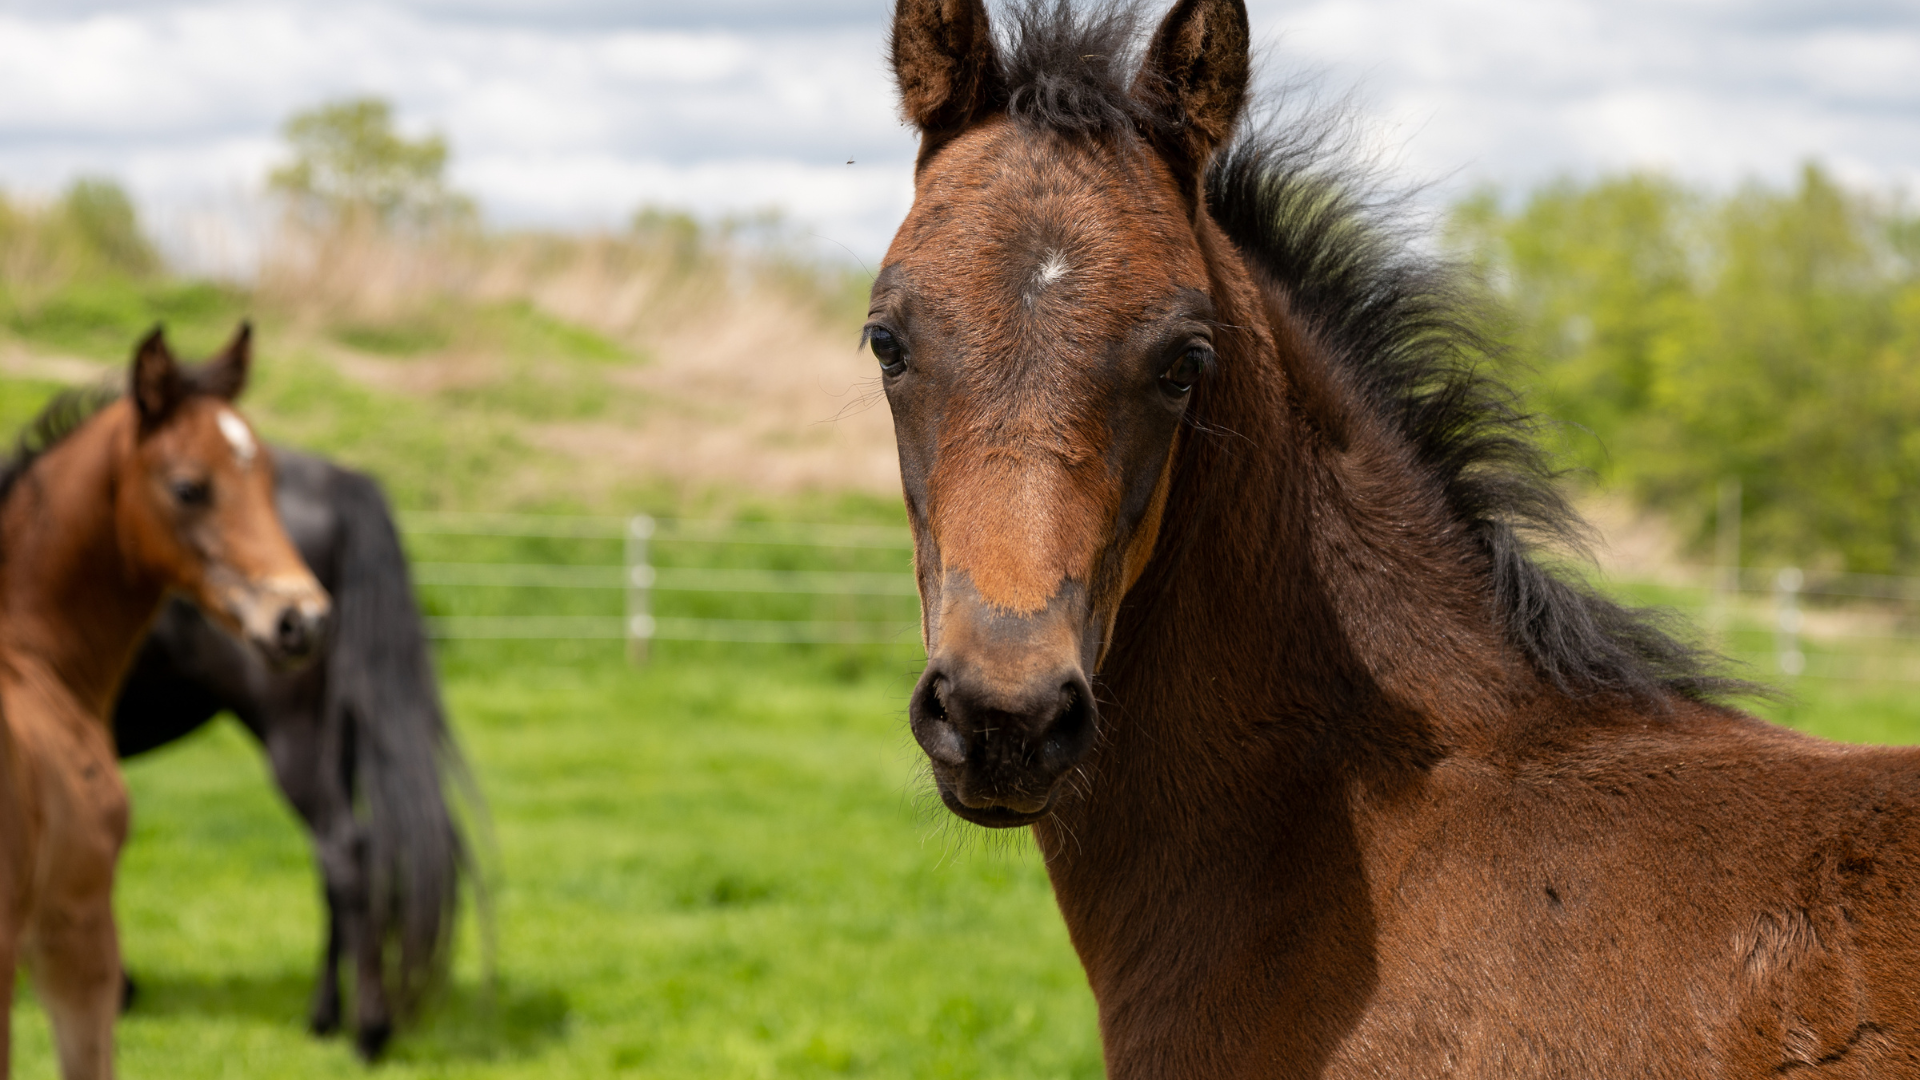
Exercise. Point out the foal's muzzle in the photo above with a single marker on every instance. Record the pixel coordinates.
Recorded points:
(1004, 710)
(285, 619)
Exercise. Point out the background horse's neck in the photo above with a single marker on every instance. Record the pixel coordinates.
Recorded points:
(1313, 635)
(70, 598)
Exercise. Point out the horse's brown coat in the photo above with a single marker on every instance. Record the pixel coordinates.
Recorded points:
(1336, 819)
(93, 534)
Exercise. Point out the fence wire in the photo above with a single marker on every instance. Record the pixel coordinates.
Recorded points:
(1783, 622)
(639, 579)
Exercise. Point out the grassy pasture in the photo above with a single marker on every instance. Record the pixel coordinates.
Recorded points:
(720, 865)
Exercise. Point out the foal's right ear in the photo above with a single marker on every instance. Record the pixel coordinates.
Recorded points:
(945, 65)
(157, 383)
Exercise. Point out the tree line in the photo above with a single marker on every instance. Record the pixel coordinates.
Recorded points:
(1677, 339)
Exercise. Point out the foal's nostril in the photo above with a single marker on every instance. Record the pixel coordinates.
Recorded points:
(932, 728)
(1070, 734)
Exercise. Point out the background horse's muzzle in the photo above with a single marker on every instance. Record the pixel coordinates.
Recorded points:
(1004, 710)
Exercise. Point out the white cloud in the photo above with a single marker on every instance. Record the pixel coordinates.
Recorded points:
(574, 112)
(1712, 91)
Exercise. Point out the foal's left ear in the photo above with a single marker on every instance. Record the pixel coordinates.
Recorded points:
(225, 373)
(1195, 79)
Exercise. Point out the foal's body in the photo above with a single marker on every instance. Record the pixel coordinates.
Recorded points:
(1219, 535)
(91, 539)
(1705, 896)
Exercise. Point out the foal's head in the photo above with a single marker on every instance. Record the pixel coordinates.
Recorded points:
(194, 505)
(1041, 321)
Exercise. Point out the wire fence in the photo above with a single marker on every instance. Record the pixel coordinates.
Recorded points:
(664, 579)
(639, 577)
(1790, 622)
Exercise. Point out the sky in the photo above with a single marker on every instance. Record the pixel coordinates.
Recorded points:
(573, 113)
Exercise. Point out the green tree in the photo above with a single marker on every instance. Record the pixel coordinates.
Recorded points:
(348, 161)
(1594, 279)
(1772, 336)
(104, 223)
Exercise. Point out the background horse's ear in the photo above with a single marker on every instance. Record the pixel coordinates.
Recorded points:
(225, 374)
(945, 65)
(157, 384)
(1195, 79)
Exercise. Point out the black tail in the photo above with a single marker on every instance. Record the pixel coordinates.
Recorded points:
(382, 691)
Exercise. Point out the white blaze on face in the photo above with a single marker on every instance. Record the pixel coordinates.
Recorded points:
(239, 436)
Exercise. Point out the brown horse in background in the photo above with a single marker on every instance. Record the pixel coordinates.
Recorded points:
(107, 507)
(1223, 546)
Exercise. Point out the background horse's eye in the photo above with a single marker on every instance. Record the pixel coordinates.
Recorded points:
(886, 349)
(1185, 371)
(192, 492)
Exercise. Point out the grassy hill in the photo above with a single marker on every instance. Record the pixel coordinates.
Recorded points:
(666, 366)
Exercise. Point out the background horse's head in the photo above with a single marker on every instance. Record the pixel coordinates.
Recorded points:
(1041, 321)
(194, 506)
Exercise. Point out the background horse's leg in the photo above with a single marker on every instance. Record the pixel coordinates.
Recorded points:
(313, 771)
(323, 1015)
(9, 965)
(75, 958)
(373, 1017)
(314, 768)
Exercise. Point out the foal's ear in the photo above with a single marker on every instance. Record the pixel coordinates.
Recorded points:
(225, 374)
(1195, 78)
(157, 383)
(945, 64)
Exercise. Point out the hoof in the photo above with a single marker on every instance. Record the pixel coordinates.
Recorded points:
(324, 1019)
(323, 1024)
(128, 990)
(372, 1041)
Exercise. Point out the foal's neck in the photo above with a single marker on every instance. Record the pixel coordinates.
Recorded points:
(1313, 635)
(1313, 585)
(71, 600)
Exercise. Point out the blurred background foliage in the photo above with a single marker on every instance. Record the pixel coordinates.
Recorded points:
(1768, 336)
(348, 160)
(459, 362)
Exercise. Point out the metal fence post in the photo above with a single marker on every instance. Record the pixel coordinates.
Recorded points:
(639, 588)
(1786, 637)
(1726, 554)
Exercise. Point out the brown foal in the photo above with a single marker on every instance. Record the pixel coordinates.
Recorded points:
(1222, 541)
(102, 513)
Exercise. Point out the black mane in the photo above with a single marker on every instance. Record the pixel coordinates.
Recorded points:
(1068, 70)
(1405, 329)
(57, 419)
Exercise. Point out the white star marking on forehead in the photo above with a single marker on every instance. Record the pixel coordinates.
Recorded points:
(239, 436)
(1052, 269)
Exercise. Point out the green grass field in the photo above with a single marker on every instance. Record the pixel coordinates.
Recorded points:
(720, 865)
(705, 868)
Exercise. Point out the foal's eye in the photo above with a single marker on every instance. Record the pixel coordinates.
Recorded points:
(886, 349)
(1186, 371)
(192, 492)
